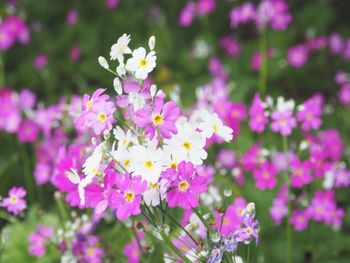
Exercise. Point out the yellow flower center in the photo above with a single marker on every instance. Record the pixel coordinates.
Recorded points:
(266, 175)
(173, 166)
(89, 104)
(248, 230)
(126, 162)
(102, 117)
(129, 196)
(157, 119)
(153, 185)
(13, 199)
(225, 221)
(215, 128)
(187, 145)
(91, 251)
(143, 63)
(148, 164)
(183, 185)
(283, 122)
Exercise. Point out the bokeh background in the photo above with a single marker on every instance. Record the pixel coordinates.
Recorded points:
(60, 60)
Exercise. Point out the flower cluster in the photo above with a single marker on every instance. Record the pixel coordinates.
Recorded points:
(13, 29)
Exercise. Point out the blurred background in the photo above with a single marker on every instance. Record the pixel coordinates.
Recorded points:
(57, 57)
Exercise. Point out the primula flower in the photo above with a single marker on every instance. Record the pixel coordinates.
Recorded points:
(161, 118)
(265, 176)
(230, 46)
(258, 118)
(309, 115)
(186, 145)
(283, 122)
(211, 124)
(299, 219)
(28, 131)
(40, 61)
(344, 94)
(278, 210)
(141, 64)
(15, 203)
(232, 219)
(120, 48)
(300, 173)
(249, 230)
(92, 253)
(38, 240)
(298, 56)
(205, 7)
(185, 185)
(187, 14)
(127, 200)
(132, 251)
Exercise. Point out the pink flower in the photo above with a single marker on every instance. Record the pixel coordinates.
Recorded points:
(6, 38)
(74, 54)
(38, 241)
(132, 252)
(42, 173)
(336, 44)
(283, 122)
(161, 118)
(278, 210)
(226, 159)
(230, 45)
(205, 7)
(299, 219)
(15, 203)
(187, 14)
(265, 177)
(185, 185)
(298, 56)
(72, 17)
(217, 69)
(242, 14)
(233, 217)
(92, 253)
(344, 94)
(111, 4)
(309, 115)
(40, 61)
(322, 204)
(258, 118)
(128, 199)
(26, 99)
(300, 173)
(10, 116)
(251, 159)
(28, 131)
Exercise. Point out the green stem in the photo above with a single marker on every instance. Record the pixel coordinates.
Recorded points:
(263, 66)
(173, 247)
(61, 208)
(202, 219)
(289, 205)
(2, 70)
(27, 171)
(8, 217)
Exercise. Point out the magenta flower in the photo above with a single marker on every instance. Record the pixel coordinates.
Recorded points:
(265, 177)
(185, 186)
(127, 200)
(226, 159)
(336, 44)
(283, 122)
(309, 115)
(233, 217)
(300, 173)
(278, 210)
(132, 252)
(258, 118)
(38, 240)
(40, 61)
(322, 204)
(217, 69)
(299, 219)
(26, 99)
(15, 203)
(242, 14)
(298, 56)
(72, 17)
(92, 253)
(161, 118)
(344, 94)
(187, 14)
(111, 4)
(251, 159)
(74, 53)
(230, 45)
(10, 116)
(6, 38)
(205, 7)
(28, 131)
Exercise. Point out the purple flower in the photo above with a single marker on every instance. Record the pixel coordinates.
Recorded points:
(111, 4)
(242, 14)
(309, 115)
(187, 14)
(15, 203)
(249, 230)
(28, 131)
(6, 38)
(299, 219)
(128, 199)
(298, 56)
(258, 118)
(344, 94)
(26, 99)
(300, 173)
(336, 43)
(230, 45)
(278, 210)
(265, 176)
(283, 122)
(185, 186)
(38, 240)
(205, 7)
(161, 118)
(132, 251)
(40, 61)
(72, 17)
(74, 53)
(215, 255)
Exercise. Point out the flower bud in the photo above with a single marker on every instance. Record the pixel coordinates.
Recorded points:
(103, 62)
(152, 42)
(117, 86)
(153, 90)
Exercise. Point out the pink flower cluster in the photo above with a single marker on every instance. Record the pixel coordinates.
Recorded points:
(38, 240)
(13, 29)
(192, 9)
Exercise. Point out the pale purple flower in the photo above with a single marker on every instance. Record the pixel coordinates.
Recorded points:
(15, 202)
(283, 122)
(298, 56)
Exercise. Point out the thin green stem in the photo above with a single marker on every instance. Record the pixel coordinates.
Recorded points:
(27, 172)
(173, 247)
(263, 65)
(289, 205)
(61, 208)
(2, 70)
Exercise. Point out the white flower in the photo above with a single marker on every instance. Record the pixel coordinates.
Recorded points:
(103, 62)
(120, 48)
(121, 71)
(137, 101)
(187, 144)
(117, 86)
(283, 104)
(152, 196)
(153, 90)
(92, 163)
(147, 161)
(124, 139)
(124, 158)
(212, 124)
(140, 63)
(211, 197)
